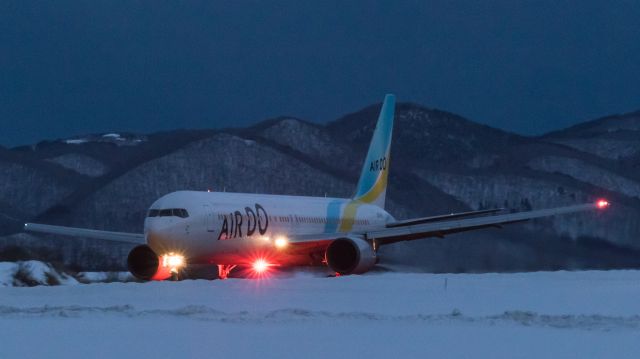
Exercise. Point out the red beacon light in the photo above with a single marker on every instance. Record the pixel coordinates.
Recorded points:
(602, 203)
(260, 266)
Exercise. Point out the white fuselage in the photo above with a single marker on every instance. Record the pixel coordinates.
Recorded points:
(232, 228)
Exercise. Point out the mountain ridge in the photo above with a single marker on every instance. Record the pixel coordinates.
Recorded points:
(442, 163)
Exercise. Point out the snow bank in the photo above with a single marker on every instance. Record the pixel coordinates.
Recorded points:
(7, 273)
(105, 277)
(32, 273)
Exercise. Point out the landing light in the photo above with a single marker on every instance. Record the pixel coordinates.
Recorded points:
(173, 261)
(281, 242)
(603, 203)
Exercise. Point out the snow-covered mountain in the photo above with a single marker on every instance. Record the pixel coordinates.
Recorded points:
(441, 163)
(614, 137)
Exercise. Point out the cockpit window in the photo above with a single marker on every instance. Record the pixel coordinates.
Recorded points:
(180, 212)
(171, 212)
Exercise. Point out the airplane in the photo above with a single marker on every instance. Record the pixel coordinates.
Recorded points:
(260, 231)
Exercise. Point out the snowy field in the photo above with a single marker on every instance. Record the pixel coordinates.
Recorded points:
(381, 315)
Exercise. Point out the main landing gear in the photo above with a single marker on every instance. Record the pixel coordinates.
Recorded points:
(175, 276)
(224, 270)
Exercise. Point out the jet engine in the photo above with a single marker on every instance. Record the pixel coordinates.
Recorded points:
(145, 264)
(350, 256)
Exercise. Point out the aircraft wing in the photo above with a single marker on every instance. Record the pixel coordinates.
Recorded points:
(442, 228)
(407, 230)
(122, 237)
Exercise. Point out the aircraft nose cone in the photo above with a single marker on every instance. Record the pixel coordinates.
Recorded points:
(162, 238)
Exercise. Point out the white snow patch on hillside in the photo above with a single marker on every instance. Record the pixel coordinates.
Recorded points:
(115, 138)
(390, 315)
(77, 141)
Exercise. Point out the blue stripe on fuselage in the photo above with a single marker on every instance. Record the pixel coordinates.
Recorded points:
(333, 216)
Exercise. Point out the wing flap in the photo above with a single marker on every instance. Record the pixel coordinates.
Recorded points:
(443, 217)
(122, 237)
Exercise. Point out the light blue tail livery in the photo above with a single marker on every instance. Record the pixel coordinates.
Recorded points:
(372, 186)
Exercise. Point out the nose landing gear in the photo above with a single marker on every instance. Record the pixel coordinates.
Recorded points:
(175, 276)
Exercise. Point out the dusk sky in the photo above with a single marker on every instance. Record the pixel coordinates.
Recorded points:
(68, 68)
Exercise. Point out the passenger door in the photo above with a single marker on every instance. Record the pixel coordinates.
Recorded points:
(208, 218)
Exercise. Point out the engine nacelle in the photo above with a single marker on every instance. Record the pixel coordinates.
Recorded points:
(350, 256)
(145, 264)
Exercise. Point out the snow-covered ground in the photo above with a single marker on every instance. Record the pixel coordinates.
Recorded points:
(380, 315)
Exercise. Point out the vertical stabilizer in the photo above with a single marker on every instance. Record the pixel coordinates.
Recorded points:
(372, 186)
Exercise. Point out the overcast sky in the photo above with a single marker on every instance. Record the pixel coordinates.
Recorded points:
(68, 68)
